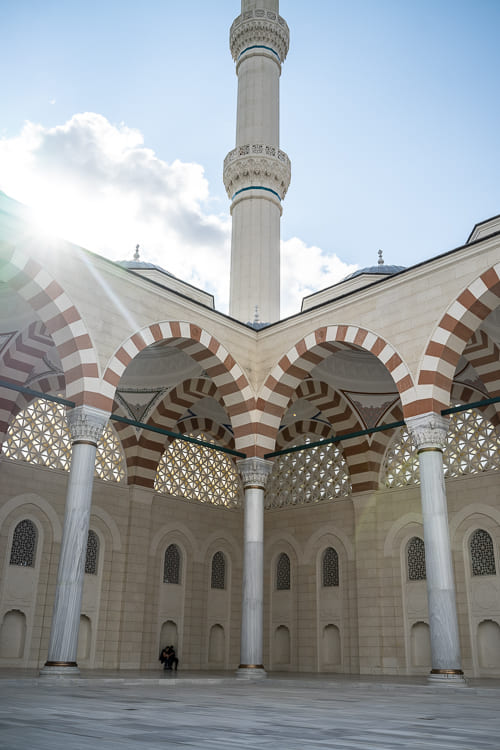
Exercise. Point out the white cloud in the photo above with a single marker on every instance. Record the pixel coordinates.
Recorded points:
(305, 270)
(99, 186)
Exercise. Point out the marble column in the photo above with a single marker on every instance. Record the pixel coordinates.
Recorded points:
(86, 426)
(254, 473)
(428, 432)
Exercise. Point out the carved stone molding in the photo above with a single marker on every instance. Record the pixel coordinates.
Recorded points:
(428, 430)
(87, 423)
(254, 472)
(257, 165)
(259, 27)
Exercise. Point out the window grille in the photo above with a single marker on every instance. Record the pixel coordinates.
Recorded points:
(310, 476)
(330, 567)
(482, 554)
(472, 446)
(40, 435)
(218, 571)
(283, 572)
(92, 556)
(172, 565)
(415, 559)
(199, 473)
(24, 541)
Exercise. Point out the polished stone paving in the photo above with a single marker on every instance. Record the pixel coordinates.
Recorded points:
(215, 711)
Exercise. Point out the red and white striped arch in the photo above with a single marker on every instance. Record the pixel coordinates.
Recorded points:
(362, 454)
(143, 466)
(461, 320)
(197, 425)
(296, 365)
(304, 427)
(63, 321)
(484, 355)
(232, 384)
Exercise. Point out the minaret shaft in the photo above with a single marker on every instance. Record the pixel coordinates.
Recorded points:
(256, 172)
(258, 101)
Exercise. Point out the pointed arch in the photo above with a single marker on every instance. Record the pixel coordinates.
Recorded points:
(295, 366)
(150, 445)
(450, 337)
(230, 380)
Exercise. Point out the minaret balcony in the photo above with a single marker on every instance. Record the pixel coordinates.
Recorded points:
(259, 29)
(257, 167)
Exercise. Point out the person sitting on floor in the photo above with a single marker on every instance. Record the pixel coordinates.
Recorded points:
(171, 658)
(163, 657)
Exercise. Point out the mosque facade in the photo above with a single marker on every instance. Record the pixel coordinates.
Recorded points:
(314, 494)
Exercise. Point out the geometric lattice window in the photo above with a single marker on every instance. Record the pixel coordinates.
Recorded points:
(401, 462)
(309, 476)
(330, 567)
(40, 435)
(283, 572)
(482, 554)
(472, 446)
(172, 565)
(415, 559)
(92, 556)
(218, 571)
(199, 473)
(23, 548)
(109, 460)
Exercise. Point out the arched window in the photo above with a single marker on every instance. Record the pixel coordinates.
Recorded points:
(198, 472)
(309, 476)
(481, 554)
(172, 565)
(40, 435)
(283, 572)
(92, 556)
(330, 567)
(415, 559)
(218, 571)
(24, 541)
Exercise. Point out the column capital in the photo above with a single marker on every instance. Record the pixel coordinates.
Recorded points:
(428, 431)
(86, 424)
(254, 472)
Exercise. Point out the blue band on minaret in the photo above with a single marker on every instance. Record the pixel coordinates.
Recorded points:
(257, 187)
(259, 46)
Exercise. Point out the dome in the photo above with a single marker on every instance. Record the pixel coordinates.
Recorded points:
(380, 269)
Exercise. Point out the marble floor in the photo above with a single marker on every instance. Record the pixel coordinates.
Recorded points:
(106, 711)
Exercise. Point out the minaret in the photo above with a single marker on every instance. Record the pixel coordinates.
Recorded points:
(256, 172)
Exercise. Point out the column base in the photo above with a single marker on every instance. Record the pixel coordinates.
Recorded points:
(251, 672)
(447, 677)
(59, 669)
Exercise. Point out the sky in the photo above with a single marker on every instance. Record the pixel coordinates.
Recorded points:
(115, 118)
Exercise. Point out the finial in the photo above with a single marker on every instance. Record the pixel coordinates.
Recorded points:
(136, 254)
(380, 258)
(256, 315)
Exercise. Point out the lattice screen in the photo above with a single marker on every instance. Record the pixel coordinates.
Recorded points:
(473, 446)
(40, 435)
(199, 473)
(308, 476)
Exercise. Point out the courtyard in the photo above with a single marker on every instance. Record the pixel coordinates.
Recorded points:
(107, 710)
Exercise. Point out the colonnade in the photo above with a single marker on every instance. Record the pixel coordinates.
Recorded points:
(428, 432)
